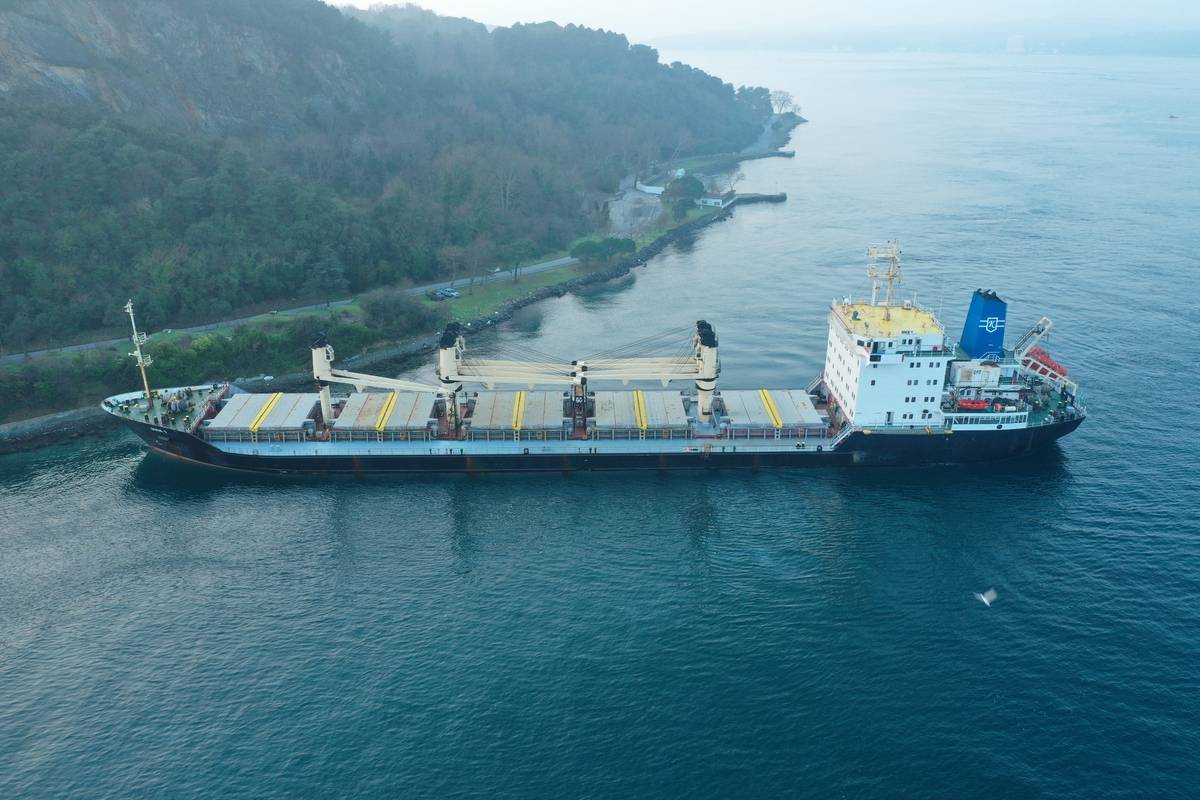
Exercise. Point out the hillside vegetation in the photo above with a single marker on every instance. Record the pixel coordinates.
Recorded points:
(203, 156)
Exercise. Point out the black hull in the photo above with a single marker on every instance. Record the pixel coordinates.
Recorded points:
(904, 449)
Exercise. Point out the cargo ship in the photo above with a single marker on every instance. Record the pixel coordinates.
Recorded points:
(894, 391)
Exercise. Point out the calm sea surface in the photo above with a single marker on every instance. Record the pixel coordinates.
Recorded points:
(170, 633)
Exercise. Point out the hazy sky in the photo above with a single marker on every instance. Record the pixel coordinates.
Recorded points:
(646, 20)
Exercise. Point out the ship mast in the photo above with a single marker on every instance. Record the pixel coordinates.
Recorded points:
(142, 359)
(890, 253)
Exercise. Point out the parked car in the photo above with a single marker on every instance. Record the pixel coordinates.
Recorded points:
(449, 293)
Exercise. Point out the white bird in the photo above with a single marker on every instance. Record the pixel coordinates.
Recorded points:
(987, 598)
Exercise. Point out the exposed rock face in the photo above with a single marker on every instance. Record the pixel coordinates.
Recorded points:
(175, 63)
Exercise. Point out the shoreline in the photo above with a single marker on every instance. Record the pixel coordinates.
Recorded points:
(64, 426)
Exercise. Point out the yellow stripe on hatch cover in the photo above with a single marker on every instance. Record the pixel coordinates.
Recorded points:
(518, 411)
(639, 408)
(262, 415)
(769, 404)
(385, 413)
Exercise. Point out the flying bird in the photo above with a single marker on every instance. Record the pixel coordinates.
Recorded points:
(987, 598)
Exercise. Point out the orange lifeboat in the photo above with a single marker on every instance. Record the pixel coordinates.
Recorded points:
(1042, 359)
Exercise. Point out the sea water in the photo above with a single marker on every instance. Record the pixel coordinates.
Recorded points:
(172, 632)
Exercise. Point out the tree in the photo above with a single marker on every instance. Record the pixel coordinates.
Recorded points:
(451, 259)
(688, 187)
(612, 246)
(591, 251)
(518, 253)
(481, 255)
(394, 312)
(326, 277)
(781, 101)
(587, 251)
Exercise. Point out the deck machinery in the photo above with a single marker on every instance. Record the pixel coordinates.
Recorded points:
(893, 391)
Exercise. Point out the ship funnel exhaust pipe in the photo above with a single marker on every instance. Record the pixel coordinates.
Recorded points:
(983, 330)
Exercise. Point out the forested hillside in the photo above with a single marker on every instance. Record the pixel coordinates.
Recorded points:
(206, 155)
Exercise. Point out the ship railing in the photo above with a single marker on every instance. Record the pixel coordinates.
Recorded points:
(842, 434)
(937, 352)
(985, 418)
(791, 432)
(210, 404)
(1032, 367)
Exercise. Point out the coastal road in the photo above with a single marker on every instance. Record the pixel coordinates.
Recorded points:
(541, 266)
(763, 142)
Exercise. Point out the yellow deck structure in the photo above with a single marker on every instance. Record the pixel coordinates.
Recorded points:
(864, 319)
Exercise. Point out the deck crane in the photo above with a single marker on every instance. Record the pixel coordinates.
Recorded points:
(1023, 352)
(325, 374)
(702, 366)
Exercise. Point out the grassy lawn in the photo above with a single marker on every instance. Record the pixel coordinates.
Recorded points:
(488, 297)
(667, 223)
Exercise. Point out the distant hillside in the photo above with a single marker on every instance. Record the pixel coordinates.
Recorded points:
(205, 155)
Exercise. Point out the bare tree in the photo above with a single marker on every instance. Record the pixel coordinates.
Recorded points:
(782, 101)
(732, 179)
(479, 256)
(509, 173)
(451, 258)
(682, 144)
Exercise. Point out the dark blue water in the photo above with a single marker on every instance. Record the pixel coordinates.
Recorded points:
(172, 633)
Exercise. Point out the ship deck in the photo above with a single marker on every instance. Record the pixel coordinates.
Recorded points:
(786, 422)
(564, 447)
(133, 405)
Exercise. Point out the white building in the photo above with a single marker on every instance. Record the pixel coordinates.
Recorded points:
(716, 199)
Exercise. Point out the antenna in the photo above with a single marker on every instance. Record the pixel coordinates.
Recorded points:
(890, 253)
(143, 360)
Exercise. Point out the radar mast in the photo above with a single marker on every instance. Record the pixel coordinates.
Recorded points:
(890, 253)
(142, 359)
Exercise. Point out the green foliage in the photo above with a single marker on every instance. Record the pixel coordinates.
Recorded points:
(680, 208)
(593, 251)
(435, 145)
(586, 251)
(518, 252)
(689, 187)
(619, 247)
(395, 313)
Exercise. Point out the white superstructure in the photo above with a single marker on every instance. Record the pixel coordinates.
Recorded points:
(885, 363)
